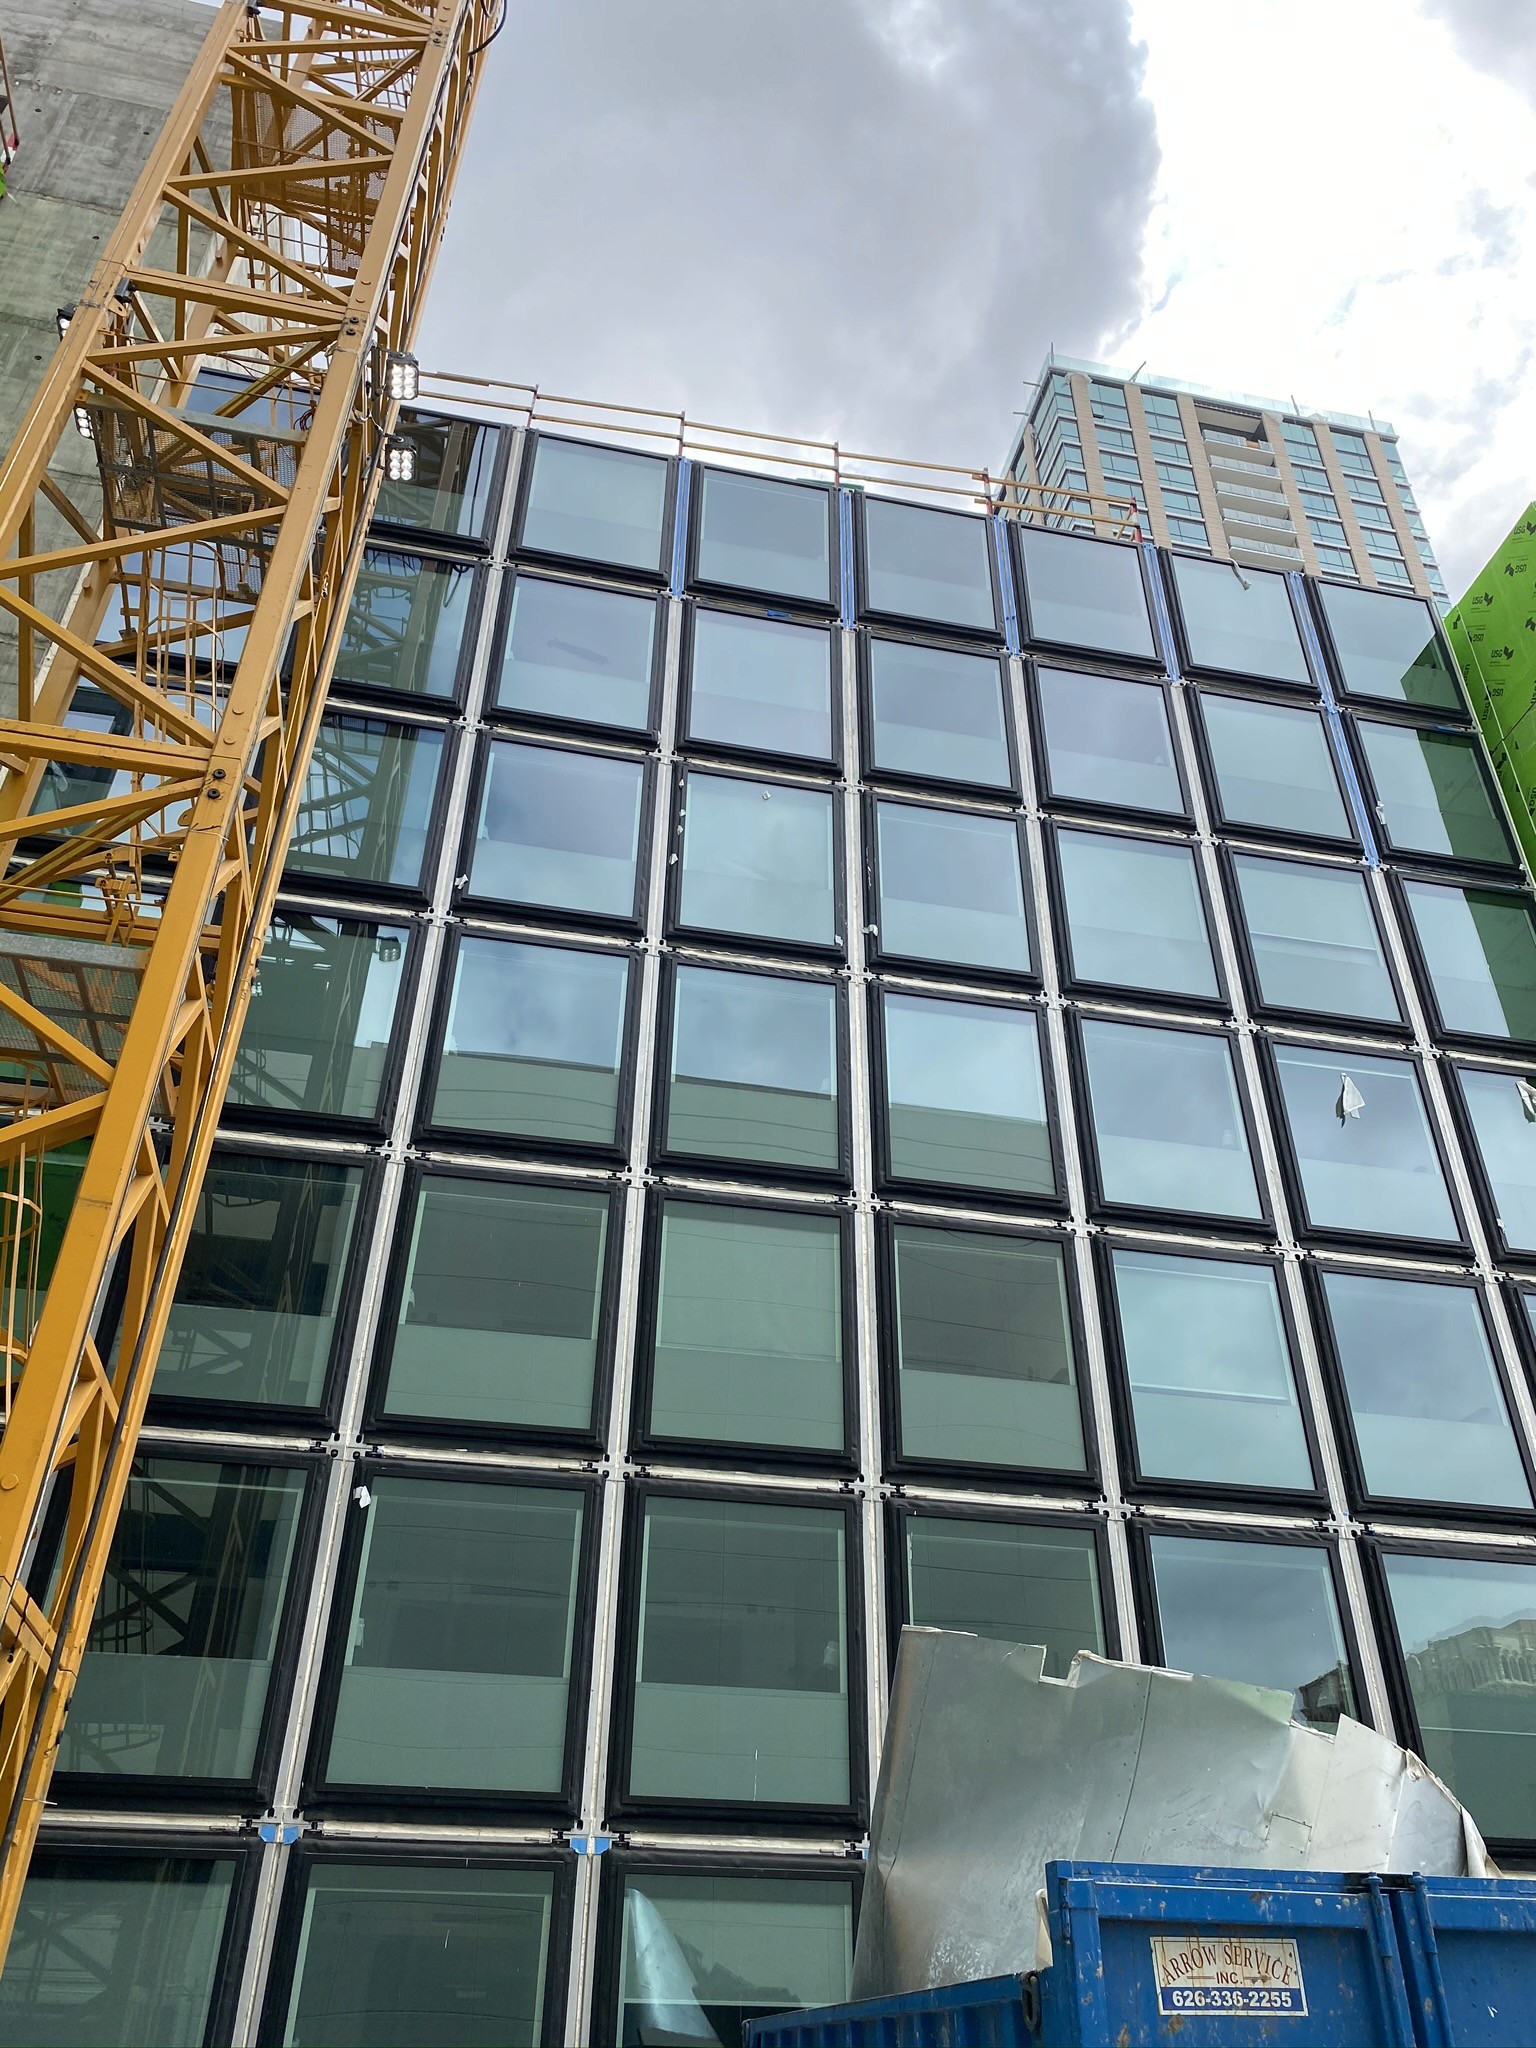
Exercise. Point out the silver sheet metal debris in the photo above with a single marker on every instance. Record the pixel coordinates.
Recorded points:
(991, 1770)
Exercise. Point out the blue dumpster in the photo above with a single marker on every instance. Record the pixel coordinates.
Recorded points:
(1158, 1954)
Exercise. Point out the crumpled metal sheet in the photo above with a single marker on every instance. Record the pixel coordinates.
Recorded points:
(991, 1770)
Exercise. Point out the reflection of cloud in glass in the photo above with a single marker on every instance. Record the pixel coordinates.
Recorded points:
(538, 1002)
(1437, 1599)
(755, 1031)
(962, 1056)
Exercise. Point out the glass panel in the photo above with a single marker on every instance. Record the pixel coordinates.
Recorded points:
(1313, 938)
(317, 1033)
(754, 1069)
(175, 1672)
(1107, 741)
(1388, 648)
(406, 625)
(749, 1328)
(574, 651)
(938, 714)
(451, 489)
(1468, 1630)
(1168, 1120)
(1209, 1366)
(1432, 795)
(1135, 916)
(1502, 1108)
(1240, 621)
(255, 1307)
(1429, 1413)
(758, 859)
(965, 1096)
(1273, 767)
(1084, 594)
(1363, 1143)
(596, 504)
(367, 805)
(761, 534)
(534, 1041)
(1009, 1581)
(922, 564)
(761, 684)
(115, 1951)
(1479, 946)
(416, 1956)
(559, 829)
(984, 1353)
(703, 1955)
(457, 1666)
(1259, 1613)
(951, 888)
(742, 1688)
(498, 1322)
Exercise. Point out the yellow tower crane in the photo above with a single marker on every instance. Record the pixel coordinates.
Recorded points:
(181, 521)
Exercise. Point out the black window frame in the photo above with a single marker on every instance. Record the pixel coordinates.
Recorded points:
(512, 717)
(649, 1446)
(690, 743)
(826, 607)
(479, 542)
(452, 1137)
(1289, 687)
(746, 1171)
(422, 1803)
(736, 1815)
(876, 952)
(518, 546)
(1094, 806)
(384, 1427)
(875, 776)
(1399, 1028)
(1516, 891)
(375, 696)
(1483, 1194)
(714, 935)
(1218, 1004)
(1244, 828)
(1157, 1489)
(868, 614)
(1151, 664)
(1439, 714)
(312, 884)
(1418, 857)
(314, 1851)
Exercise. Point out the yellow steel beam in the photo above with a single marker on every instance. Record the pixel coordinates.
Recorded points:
(325, 136)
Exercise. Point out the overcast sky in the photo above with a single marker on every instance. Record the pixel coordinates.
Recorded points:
(869, 219)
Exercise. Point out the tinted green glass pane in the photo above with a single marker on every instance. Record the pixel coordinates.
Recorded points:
(451, 488)
(1260, 1613)
(322, 1011)
(1168, 1120)
(758, 860)
(951, 888)
(984, 1354)
(1502, 1108)
(762, 534)
(1388, 648)
(1209, 1367)
(596, 504)
(175, 1673)
(748, 1328)
(965, 1095)
(1479, 946)
(938, 714)
(457, 1665)
(754, 1069)
(1468, 1630)
(499, 1319)
(575, 651)
(256, 1303)
(367, 805)
(115, 1951)
(1242, 624)
(1429, 1414)
(415, 1956)
(1008, 1581)
(1432, 793)
(922, 564)
(1314, 941)
(1082, 593)
(742, 1691)
(1135, 916)
(760, 684)
(1273, 767)
(533, 1045)
(703, 1954)
(1107, 741)
(1370, 1165)
(559, 829)
(406, 624)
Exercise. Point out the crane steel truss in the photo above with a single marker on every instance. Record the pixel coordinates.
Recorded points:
(181, 521)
